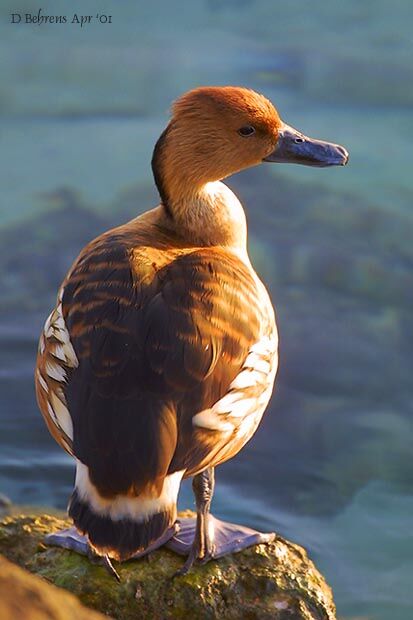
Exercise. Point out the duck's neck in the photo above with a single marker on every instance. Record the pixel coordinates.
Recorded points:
(202, 212)
(210, 215)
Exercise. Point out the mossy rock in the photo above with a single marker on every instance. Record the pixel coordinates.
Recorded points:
(275, 580)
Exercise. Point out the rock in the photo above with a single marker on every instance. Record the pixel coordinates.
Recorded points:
(24, 596)
(275, 581)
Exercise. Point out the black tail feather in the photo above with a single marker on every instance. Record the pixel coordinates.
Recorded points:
(118, 538)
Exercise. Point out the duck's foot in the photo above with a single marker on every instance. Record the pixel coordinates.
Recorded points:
(71, 539)
(227, 538)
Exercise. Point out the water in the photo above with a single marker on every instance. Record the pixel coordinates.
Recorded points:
(330, 466)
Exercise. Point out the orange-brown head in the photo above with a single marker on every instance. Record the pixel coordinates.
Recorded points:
(217, 131)
(214, 132)
(225, 129)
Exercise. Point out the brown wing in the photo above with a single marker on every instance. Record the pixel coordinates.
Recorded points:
(158, 335)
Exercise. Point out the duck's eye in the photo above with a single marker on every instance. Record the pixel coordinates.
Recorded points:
(246, 131)
(299, 140)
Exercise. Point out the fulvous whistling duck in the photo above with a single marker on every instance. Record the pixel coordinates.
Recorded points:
(160, 356)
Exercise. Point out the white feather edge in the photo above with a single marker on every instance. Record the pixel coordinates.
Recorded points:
(55, 327)
(62, 415)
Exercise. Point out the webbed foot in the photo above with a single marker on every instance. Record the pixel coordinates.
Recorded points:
(227, 538)
(71, 539)
(200, 537)
(223, 538)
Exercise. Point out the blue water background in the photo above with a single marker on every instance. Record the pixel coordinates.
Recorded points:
(331, 465)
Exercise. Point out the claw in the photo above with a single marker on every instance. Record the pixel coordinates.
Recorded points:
(71, 539)
(103, 560)
(190, 561)
(110, 568)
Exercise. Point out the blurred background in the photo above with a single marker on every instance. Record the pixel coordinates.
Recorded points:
(81, 108)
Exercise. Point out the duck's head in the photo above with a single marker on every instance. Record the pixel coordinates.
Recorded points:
(217, 131)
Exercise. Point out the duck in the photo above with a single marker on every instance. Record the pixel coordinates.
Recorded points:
(160, 356)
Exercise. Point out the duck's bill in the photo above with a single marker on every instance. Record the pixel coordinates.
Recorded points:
(295, 148)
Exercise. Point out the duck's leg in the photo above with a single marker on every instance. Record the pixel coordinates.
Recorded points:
(206, 537)
(202, 547)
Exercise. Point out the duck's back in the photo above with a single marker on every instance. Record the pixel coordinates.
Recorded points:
(159, 358)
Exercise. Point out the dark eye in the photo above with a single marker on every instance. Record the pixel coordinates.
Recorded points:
(299, 140)
(246, 131)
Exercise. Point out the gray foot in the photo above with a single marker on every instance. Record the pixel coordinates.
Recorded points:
(71, 539)
(227, 537)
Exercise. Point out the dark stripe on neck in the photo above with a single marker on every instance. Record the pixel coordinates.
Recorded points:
(157, 170)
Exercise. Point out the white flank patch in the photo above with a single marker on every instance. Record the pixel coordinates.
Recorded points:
(247, 378)
(59, 322)
(47, 324)
(213, 422)
(41, 344)
(248, 426)
(60, 353)
(265, 346)
(241, 409)
(122, 507)
(42, 381)
(259, 365)
(227, 403)
(62, 415)
(59, 357)
(52, 414)
(55, 371)
(244, 407)
(55, 327)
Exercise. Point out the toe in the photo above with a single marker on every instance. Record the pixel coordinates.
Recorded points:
(68, 539)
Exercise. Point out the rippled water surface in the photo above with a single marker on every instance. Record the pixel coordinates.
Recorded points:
(331, 465)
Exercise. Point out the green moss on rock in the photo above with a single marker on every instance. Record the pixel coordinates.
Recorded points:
(275, 581)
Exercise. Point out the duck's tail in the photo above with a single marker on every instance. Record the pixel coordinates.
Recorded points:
(124, 525)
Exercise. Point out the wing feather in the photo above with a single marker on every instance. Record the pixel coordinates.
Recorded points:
(55, 361)
(159, 358)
